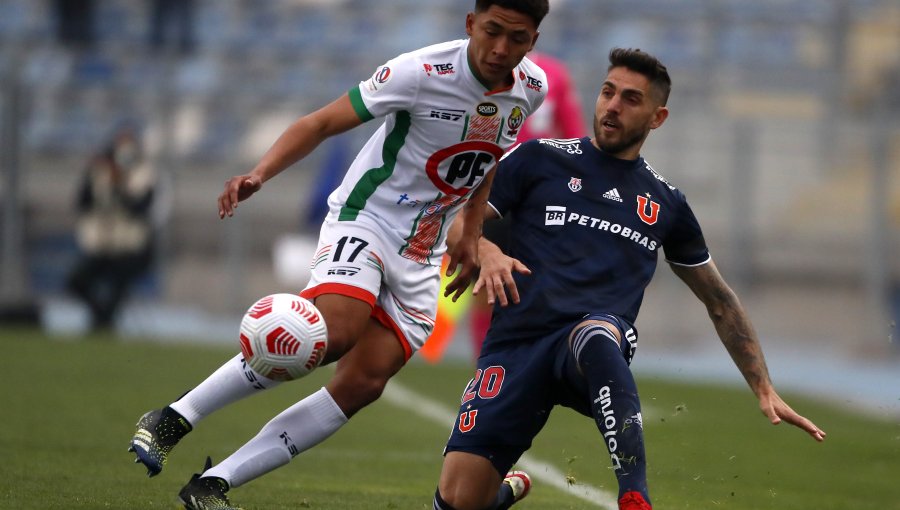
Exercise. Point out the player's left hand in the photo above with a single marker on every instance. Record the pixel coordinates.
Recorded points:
(777, 410)
(463, 255)
(237, 189)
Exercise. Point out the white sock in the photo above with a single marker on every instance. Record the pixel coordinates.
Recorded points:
(297, 429)
(231, 382)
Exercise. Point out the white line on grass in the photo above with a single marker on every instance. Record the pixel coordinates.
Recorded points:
(400, 396)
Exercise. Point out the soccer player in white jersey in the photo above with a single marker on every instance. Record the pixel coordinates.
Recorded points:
(450, 112)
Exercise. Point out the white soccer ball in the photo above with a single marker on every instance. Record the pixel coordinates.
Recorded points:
(283, 337)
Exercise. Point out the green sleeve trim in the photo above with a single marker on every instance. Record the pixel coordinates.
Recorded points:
(359, 105)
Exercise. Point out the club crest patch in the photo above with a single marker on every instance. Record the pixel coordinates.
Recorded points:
(647, 210)
(575, 184)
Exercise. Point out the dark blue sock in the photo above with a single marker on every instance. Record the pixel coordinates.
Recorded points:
(504, 499)
(614, 404)
(439, 503)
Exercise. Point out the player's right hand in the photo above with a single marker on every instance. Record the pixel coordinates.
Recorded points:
(496, 276)
(237, 189)
(776, 410)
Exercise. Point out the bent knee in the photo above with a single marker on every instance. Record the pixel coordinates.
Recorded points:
(339, 343)
(468, 481)
(595, 328)
(461, 498)
(354, 391)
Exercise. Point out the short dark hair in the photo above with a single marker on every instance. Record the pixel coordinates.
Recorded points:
(535, 9)
(646, 64)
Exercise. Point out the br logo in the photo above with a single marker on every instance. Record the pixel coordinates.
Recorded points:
(457, 169)
(555, 215)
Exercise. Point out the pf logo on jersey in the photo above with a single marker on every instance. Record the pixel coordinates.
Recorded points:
(455, 170)
(575, 184)
(648, 210)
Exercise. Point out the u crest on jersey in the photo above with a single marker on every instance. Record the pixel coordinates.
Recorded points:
(647, 210)
(575, 184)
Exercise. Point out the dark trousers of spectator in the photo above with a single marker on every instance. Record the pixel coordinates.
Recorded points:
(104, 282)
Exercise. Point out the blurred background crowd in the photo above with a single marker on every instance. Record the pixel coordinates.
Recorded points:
(784, 134)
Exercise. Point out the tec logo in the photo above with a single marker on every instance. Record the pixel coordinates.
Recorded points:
(647, 210)
(441, 69)
(533, 83)
(457, 169)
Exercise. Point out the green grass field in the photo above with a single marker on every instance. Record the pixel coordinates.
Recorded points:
(69, 409)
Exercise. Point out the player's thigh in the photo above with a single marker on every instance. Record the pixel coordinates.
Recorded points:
(346, 319)
(348, 260)
(362, 373)
(468, 480)
(408, 300)
(506, 403)
(346, 277)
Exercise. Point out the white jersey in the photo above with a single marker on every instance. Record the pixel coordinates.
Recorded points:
(443, 131)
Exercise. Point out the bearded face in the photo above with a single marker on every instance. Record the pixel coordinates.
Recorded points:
(625, 113)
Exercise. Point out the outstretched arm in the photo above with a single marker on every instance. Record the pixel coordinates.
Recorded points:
(739, 337)
(463, 236)
(297, 141)
(496, 269)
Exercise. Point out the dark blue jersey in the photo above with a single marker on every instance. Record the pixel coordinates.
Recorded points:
(589, 226)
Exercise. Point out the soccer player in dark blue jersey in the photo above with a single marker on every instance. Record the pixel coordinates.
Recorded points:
(590, 216)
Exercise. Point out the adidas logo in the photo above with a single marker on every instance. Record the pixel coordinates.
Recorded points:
(613, 194)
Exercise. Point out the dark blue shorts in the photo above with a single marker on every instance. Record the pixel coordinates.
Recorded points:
(515, 387)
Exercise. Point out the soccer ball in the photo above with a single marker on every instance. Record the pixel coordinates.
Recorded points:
(283, 337)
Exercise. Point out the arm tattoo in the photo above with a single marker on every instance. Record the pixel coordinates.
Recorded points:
(736, 332)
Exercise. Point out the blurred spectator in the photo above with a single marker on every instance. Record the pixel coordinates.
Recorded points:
(560, 115)
(114, 228)
(172, 22)
(74, 21)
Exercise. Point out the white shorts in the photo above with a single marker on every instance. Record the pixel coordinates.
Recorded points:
(353, 259)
